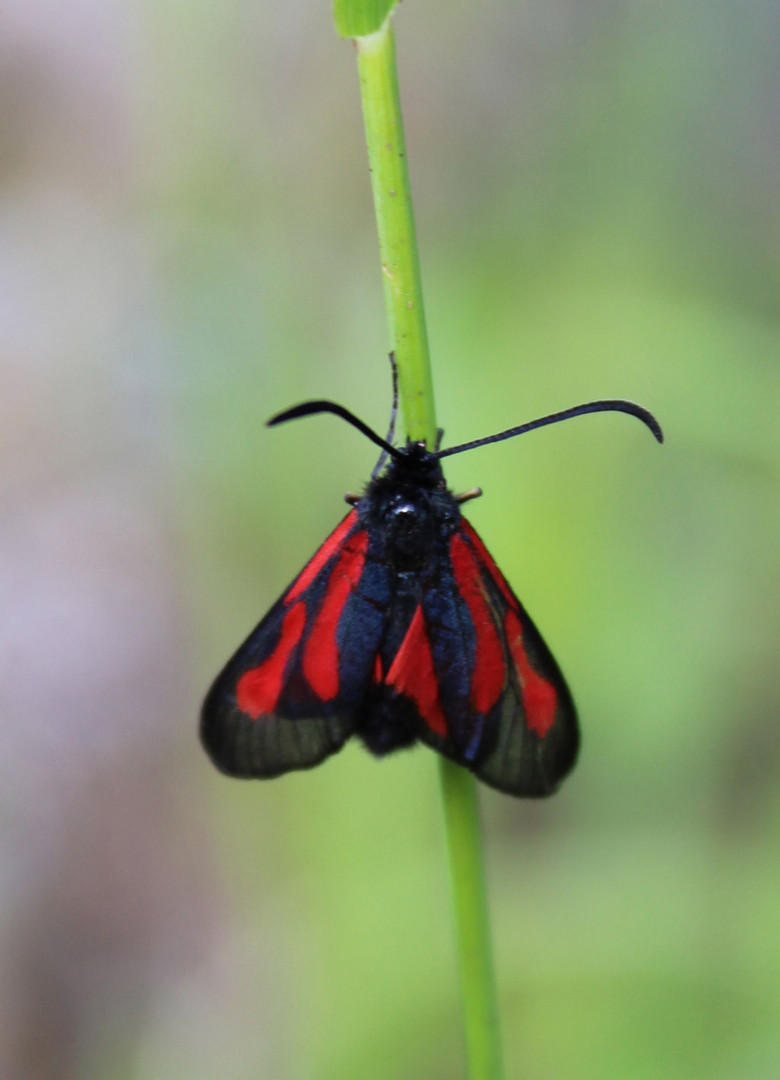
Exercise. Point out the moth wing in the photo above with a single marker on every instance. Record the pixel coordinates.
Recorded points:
(289, 696)
(476, 676)
(531, 737)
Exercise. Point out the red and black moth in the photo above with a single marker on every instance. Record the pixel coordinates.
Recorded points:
(401, 628)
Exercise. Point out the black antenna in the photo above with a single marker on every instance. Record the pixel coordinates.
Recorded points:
(629, 407)
(310, 408)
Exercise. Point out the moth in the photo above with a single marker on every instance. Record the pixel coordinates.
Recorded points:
(401, 629)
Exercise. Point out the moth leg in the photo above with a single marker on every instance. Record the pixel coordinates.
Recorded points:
(393, 414)
(472, 493)
(394, 407)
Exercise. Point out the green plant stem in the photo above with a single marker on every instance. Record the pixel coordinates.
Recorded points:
(395, 225)
(403, 297)
(472, 925)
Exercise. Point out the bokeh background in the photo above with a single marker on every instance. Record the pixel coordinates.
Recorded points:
(186, 246)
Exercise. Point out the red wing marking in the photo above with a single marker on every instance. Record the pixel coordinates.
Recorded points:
(488, 678)
(489, 562)
(412, 673)
(540, 698)
(258, 689)
(321, 654)
(320, 557)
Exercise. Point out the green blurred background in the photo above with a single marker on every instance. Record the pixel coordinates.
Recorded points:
(187, 245)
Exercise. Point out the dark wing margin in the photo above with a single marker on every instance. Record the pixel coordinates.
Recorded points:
(289, 696)
(529, 737)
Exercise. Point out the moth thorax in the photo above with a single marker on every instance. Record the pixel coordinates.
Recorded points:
(410, 526)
